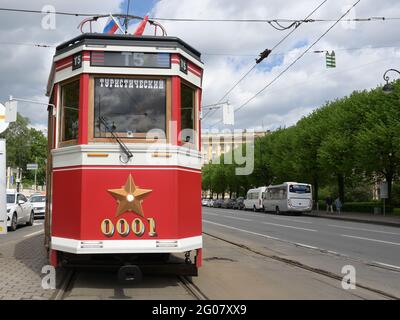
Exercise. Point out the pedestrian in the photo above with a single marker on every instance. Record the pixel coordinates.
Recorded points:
(329, 204)
(338, 205)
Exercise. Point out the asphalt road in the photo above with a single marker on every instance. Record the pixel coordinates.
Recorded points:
(23, 232)
(370, 243)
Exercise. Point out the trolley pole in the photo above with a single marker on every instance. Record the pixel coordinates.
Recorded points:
(3, 202)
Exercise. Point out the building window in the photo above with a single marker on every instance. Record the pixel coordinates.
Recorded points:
(70, 111)
(130, 106)
(187, 113)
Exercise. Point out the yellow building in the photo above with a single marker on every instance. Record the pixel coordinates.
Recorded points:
(215, 143)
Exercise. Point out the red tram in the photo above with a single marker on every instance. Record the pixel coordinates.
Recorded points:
(124, 162)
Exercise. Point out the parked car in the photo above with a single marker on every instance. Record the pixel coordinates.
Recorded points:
(228, 203)
(218, 203)
(204, 201)
(210, 203)
(19, 210)
(39, 205)
(239, 204)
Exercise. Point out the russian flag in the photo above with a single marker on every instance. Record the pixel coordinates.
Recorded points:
(112, 26)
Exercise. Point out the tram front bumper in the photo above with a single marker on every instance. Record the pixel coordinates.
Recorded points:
(126, 246)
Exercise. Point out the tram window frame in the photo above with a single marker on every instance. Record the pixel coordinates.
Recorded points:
(136, 137)
(62, 140)
(195, 114)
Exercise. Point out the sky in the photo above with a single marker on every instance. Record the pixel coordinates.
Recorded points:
(364, 50)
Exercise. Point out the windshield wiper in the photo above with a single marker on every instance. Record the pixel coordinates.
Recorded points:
(123, 146)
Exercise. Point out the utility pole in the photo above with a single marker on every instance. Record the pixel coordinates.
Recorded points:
(36, 175)
(3, 199)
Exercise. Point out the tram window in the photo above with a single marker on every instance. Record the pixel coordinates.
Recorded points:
(187, 113)
(130, 105)
(70, 111)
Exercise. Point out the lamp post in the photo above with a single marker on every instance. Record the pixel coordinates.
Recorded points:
(388, 87)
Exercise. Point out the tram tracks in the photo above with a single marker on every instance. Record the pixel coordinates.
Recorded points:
(192, 288)
(71, 275)
(65, 285)
(68, 282)
(303, 266)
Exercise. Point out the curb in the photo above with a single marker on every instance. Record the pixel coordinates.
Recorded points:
(383, 223)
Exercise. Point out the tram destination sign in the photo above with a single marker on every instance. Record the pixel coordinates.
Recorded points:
(131, 59)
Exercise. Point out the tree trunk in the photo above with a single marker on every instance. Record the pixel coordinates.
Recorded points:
(315, 186)
(341, 186)
(389, 180)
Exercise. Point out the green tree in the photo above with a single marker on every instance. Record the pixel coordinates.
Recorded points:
(218, 179)
(378, 141)
(26, 145)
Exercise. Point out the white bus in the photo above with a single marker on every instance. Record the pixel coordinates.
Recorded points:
(288, 197)
(254, 199)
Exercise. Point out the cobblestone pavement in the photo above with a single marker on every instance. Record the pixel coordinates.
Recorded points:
(21, 263)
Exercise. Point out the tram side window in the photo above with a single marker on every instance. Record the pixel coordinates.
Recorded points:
(70, 111)
(187, 114)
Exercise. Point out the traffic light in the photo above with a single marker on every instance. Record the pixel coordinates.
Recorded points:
(330, 59)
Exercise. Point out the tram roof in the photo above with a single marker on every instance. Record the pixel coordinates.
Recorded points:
(126, 40)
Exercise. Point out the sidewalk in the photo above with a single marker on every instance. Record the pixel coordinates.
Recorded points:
(388, 220)
(21, 264)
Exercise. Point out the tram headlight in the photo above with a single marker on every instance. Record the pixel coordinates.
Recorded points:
(130, 197)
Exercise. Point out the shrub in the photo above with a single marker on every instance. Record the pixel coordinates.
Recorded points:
(365, 207)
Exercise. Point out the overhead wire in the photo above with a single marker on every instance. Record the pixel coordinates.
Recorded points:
(292, 63)
(255, 65)
(275, 20)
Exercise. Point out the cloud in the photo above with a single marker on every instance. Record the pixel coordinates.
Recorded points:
(24, 69)
(306, 86)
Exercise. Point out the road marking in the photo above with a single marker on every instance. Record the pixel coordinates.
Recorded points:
(38, 223)
(229, 217)
(263, 215)
(285, 226)
(290, 219)
(306, 246)
(246, 231)
(237, 218)
(362, 229)
(386, 265)
(33, 233)
(368, 239)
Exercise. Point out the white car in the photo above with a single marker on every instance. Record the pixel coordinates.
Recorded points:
(39, 205)
(254, 199)
(19, 211)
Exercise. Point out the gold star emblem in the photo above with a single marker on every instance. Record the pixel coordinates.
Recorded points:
(129, 197)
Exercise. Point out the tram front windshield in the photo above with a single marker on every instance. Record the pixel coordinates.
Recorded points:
(130, 105)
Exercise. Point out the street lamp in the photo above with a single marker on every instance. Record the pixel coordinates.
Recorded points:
(388, 87)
